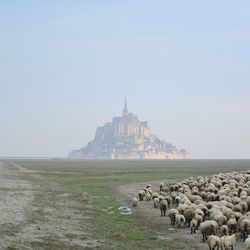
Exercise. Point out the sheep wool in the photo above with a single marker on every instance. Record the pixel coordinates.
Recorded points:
(179, 218)
(247, 243)
(213, 242)
(229, 241)
(135, 202)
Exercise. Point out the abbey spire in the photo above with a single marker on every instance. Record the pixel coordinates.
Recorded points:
(125, 109)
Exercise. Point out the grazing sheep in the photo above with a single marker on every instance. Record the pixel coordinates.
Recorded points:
(156, 202)
(244, 227)
(220, 200)
(171, 214)
(189, 215)
(224, 230)
(199, 219)
(203, 207)
(247, 243)
(148, 196)
(237, 215)
(161, 186)
(237, 208)
(179, 218)
(141, 194)
(244, 206)
(218, 217)
(232, 226)
(222, 240)
(207, 228)
(213, 242)
(169, 200)
(199, 212)
(148, 190)
(155, 195)
(193, 226)
(182, 207)
(135, 202)
(229, 241)
(163, 207)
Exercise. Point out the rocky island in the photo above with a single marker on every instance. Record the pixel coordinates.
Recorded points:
(126, 137)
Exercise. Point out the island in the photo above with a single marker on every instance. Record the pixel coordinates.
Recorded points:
(126, 137)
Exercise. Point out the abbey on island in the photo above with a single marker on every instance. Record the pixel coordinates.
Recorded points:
(126, 137)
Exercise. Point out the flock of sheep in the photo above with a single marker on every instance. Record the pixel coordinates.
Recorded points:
(218, 206)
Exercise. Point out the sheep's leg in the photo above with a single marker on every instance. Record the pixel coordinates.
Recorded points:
(241, 234)
(203, 237)
(244, 235)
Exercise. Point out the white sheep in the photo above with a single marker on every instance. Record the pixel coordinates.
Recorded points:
(148, 196)
(193, 226)
(229, 241)
(161, 186)
(135, 202)
(199, 219)
(207, 228)
(141, 194)
(155, 195)
(232, 225)
(218, 216)
(163, 204)
(171, 214)
(156, 202)
(247, 243)
(179, 218)
(224, 230)
(213, 242)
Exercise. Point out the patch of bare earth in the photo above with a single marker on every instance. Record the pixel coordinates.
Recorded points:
(38, 214)
(151, 218)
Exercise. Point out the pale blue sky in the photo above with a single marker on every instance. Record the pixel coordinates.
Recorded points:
(65, 67)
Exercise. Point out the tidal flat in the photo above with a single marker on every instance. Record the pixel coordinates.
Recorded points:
(76, 204)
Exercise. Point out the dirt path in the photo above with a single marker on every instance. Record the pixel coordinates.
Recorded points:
(161, 225)
(38, 214)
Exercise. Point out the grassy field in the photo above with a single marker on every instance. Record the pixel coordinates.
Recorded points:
(100, 180)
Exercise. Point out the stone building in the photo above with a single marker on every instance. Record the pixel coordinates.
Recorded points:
(129, 125)
(126, 137)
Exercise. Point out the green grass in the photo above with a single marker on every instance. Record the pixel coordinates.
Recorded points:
(117, 231)
(100, 180)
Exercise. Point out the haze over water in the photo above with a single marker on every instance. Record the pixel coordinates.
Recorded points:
(66, 66)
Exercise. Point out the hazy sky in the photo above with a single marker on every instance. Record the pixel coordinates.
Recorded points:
(65, 67)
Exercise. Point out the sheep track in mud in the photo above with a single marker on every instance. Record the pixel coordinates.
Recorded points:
(151, 218)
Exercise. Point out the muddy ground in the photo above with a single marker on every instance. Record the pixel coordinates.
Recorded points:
(38, 214)
(161, 225)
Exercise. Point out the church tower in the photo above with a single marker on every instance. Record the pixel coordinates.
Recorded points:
(125, 109)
